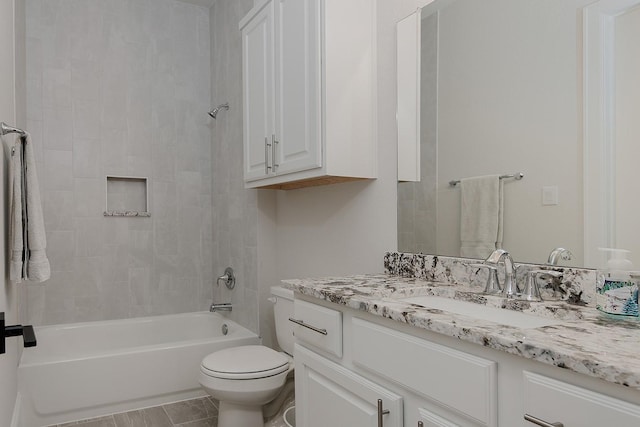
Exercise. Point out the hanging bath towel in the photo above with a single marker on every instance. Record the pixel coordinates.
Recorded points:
(481, 216)
(26, 234)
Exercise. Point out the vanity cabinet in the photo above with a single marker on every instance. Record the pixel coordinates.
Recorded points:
(429, 370)
(436, 380)
(331, 395)
(308, 93)
(552, 401)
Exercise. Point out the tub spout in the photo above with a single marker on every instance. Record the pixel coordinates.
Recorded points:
(220, 307)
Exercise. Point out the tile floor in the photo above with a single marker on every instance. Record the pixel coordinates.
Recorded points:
(201, 412)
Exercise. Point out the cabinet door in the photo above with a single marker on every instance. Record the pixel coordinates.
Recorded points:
(298, 83)
(328, 394)
(552, 401)
(258, 93)
(429, 419)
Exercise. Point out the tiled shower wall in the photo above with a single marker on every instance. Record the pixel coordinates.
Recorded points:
(121, 87)
(235, 213)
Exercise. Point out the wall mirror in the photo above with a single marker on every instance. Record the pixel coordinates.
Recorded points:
(541, 87)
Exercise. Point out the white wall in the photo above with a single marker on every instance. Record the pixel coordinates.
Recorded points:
(11, 98)
(627, 67)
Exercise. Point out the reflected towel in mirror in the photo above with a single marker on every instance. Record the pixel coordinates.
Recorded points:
(481, 216)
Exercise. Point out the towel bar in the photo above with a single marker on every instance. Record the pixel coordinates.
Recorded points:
(517, 176)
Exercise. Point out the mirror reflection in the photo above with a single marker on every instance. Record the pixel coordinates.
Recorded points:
(502, 92)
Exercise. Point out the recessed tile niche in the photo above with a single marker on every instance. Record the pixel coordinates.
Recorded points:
(127, 196)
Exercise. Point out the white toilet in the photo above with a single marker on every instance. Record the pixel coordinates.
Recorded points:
(245, 378)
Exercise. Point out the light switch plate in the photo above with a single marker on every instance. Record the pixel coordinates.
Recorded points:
(550, 195)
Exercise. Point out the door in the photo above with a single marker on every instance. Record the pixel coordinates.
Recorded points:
(258, 90)
(298, 142)
(328, 394)
(11, 20)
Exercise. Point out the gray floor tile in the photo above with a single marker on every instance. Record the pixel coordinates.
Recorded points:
(95, 422)
(150, 417)
(202, 412)
(191, 410)
(209, 422)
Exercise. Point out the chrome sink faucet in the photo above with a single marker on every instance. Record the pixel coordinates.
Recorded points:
(510, 287)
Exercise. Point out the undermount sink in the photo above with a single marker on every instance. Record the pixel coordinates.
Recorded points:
(483, 312)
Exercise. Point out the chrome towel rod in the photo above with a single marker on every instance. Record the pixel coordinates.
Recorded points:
(5, 129)
(517, 176)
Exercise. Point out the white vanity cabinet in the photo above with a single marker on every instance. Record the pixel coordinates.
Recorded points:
(437, 381)
(328, 394)
(308, 92)
(547, 400)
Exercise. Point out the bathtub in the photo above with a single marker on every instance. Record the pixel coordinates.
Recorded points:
(84, 370)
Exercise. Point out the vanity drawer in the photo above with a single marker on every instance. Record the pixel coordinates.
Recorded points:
(461, 382)
(554, 401)
(318, 326)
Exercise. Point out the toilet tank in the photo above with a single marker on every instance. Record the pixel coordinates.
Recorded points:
(282, 311)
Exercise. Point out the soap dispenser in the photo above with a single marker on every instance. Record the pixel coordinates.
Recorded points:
(617, 285)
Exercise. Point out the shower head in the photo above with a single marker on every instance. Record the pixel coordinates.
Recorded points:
(213, 113)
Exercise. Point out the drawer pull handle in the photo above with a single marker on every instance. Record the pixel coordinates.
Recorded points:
(420, 424)
(541, 423)
(381, 412)
(313, 328)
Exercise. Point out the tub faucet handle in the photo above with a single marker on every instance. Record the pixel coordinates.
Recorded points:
(228, 278)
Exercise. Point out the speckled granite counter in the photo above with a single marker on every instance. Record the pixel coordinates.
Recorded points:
(584, 341)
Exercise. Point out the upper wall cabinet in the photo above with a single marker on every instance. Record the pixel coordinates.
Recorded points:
(309, 93)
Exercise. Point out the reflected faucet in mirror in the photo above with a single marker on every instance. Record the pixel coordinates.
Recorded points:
(557, 254)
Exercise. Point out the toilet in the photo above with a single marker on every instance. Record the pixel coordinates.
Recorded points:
(245, 378)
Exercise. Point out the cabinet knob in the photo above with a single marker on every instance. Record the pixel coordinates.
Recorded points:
(420, 424)
(381, 412)
(541, 423)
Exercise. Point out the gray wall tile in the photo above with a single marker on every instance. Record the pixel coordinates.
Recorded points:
(121, 88)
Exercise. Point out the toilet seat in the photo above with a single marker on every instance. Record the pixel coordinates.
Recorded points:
(244, 363)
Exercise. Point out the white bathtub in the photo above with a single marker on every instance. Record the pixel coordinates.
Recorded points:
(84, 370)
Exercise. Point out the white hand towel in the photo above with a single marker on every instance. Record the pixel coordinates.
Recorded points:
(480, 216)
(16, 244)
(38, 268)
(27, 234)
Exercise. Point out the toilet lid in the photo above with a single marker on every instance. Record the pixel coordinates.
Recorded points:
(245, 362)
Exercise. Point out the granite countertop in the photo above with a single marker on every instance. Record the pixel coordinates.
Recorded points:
(584, 340)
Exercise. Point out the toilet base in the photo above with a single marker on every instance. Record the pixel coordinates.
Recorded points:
(232, 415)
